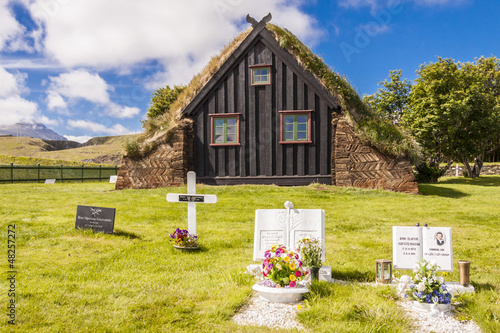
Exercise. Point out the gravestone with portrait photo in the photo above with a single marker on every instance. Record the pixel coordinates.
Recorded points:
(410, 244)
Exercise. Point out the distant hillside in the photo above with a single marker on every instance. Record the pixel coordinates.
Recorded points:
(102, 150)
(36, 130)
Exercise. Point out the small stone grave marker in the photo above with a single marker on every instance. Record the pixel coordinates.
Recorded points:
(112, 179)
(191, 198)
(410, 244)
(99, 219)
(50, 181)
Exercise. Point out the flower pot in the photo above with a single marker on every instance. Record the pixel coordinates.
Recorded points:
(186, 248)
(431, 307)
(281, 295)
(314, 271)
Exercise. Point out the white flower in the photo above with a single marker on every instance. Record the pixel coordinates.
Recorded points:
(421, 286)
(441, 280)
(278, 266)
(405, 279)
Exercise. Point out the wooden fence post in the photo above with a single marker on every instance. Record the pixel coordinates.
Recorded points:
(38, 178)
(12, 173)
(62, 177)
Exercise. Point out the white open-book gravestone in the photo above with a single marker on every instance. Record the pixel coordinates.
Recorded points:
(287, 227)
(191, 198)
(410, 244)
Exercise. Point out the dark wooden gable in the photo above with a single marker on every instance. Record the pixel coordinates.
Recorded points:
(260, 158)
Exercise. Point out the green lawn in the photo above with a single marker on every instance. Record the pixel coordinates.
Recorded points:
(77, 281)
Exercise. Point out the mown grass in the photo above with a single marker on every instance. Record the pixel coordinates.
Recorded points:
(76, 281)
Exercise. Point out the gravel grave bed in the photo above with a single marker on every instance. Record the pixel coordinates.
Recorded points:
(260, 312)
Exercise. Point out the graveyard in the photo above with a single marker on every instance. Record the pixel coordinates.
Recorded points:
(70, 280)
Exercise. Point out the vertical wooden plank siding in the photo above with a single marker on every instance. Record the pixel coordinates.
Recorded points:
(279, 106)
(300, 160)
(252, 121)
(241, 108)
(211, 150)
(311, 149)
(260, 152)
(290, 98)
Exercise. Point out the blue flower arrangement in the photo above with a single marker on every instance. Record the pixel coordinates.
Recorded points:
(426, 287)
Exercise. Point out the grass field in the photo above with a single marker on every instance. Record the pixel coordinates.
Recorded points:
(109, 151)
(133, 281)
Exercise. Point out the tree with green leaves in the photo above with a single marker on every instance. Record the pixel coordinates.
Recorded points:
(162, 99)
(455, 110)
(390, 102)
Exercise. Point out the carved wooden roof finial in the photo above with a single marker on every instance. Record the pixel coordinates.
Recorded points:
(254, 22)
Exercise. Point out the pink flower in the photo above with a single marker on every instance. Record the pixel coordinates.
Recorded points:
(266, 262)
(265, 272)
(292, 284)
(298, 273)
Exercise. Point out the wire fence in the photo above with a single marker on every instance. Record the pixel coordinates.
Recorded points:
(63, 173)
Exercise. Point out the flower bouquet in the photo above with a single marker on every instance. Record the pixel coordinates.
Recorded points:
(282, 270)
(310, 253)
(183, 239)
(282, 267)
(425, 287)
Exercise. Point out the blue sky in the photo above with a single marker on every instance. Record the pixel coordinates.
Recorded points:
(87, 68)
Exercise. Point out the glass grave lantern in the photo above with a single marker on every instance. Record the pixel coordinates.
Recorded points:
(383, 271)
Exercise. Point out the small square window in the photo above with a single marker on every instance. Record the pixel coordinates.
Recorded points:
(261, 74)
(296, 126)
(225, 129)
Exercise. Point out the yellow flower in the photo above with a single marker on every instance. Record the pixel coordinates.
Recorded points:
(445, 273)
(286, 259)
(299, 307)
(292, 266)
(292, 277)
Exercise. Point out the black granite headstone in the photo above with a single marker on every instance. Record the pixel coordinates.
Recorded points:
(99, 219)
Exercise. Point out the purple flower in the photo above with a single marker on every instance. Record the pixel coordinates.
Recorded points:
(267, 255)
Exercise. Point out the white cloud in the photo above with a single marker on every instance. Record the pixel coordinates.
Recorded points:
(80, 84)
(12, 34)
(94, 127)
(13, 107)
(118, 34)
(81, 139)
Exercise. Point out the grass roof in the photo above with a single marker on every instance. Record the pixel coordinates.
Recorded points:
(370, 128)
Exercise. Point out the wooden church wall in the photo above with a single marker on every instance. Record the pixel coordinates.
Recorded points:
(260, 158)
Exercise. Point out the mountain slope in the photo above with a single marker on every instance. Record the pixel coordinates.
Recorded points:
(35, 130)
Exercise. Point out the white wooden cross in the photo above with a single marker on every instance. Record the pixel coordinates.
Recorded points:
(192, 199)
(456, 170)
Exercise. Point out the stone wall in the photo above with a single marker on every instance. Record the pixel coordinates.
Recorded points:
(355, 164)
(166, 165)
(486, 170)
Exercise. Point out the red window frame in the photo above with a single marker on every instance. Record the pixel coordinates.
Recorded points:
(290, 113)
(225, 115)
